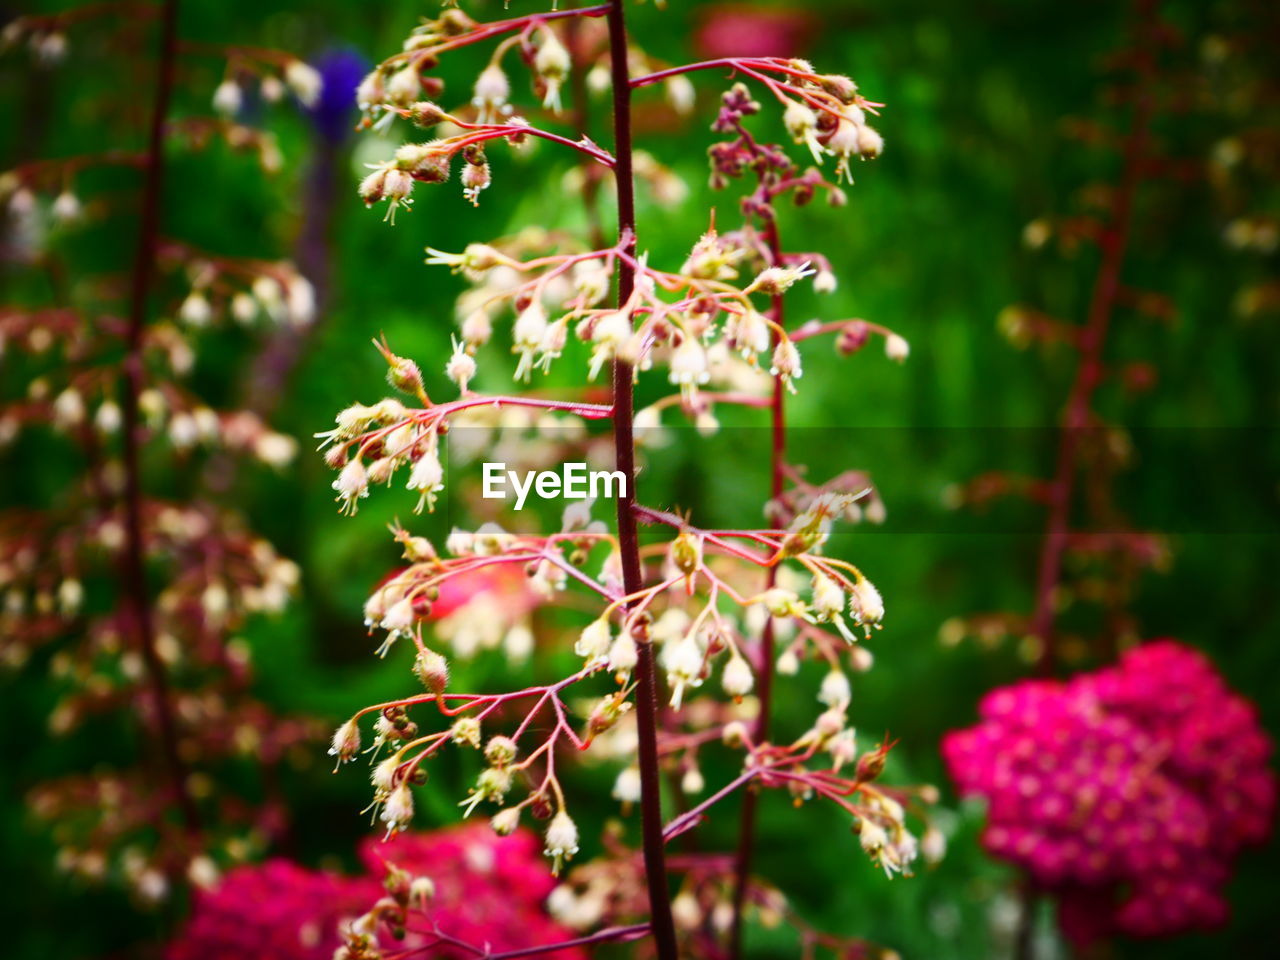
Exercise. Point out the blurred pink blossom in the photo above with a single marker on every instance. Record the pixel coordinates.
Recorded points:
(1128, 791)
(744, 30)
(488, 889)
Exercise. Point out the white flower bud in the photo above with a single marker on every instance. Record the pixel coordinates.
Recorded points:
(477, 328)
(562, 839)
(647, 418)
(788, 664)
(227, 98)
(305, 82)
(681, 94)
(492, 91)
(422, 890)
(736, 678)
(626, 789)
(108, 418)
(352, 484)
(384, 775)
(243, 308)
(595, 642)
(623, 655)
(896, 347)
(404, 86)
(195, 310)
(689, 365)
(426, 477)
(835, 689)
(68, 408)
(692, 782)
(505, 822)
(399, 618)
(398, 812)
(865, 603)
(66, 207)
(828, 598)
(933, 845)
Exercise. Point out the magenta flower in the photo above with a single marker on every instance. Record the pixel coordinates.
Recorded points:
(487, 889)
(276, 909)
(1127, 792)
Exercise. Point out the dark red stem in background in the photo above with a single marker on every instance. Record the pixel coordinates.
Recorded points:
(1091, 368)
(137, 597)
(1089, 373)
(664, 932)
(764, 690)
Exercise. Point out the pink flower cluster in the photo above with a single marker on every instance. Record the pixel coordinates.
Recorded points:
(488, 890)
(1127, 792)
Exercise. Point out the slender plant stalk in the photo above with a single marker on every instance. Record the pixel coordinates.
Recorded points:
(662, 925)
(137, 598)
(1090, 370)
(777, 475)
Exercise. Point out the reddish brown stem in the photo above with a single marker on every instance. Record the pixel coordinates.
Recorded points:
(1090, 370)
(662, 925)
(777, 478)
(137, 597)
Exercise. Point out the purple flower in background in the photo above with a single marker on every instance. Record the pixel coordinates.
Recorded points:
(333, 114)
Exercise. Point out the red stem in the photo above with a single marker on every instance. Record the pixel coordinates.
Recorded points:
(608, 935)
(1089, 373)
(137, 599)
(777, 479)
(664, 933)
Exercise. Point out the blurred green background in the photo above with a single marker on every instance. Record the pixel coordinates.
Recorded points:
(930, 245)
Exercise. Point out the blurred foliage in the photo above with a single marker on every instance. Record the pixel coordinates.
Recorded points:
(928, 245)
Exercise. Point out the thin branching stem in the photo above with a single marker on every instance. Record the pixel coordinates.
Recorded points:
(661, 922)
(137, 598)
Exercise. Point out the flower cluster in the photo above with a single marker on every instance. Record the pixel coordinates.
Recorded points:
(687, 615)
(1129, 791)
(691, 604)
(463, 883)
(134, 603)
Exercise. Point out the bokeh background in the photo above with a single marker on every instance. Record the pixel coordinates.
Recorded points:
(979, 141)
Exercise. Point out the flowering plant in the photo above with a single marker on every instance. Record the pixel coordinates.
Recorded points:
(693, 602)
(137, 597)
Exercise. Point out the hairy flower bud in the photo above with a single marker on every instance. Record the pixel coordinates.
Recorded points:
(466, 730)
(346, 742)
(500, 751)
(398, 811)
(352, 484)
(424, 113)
(432, 670)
